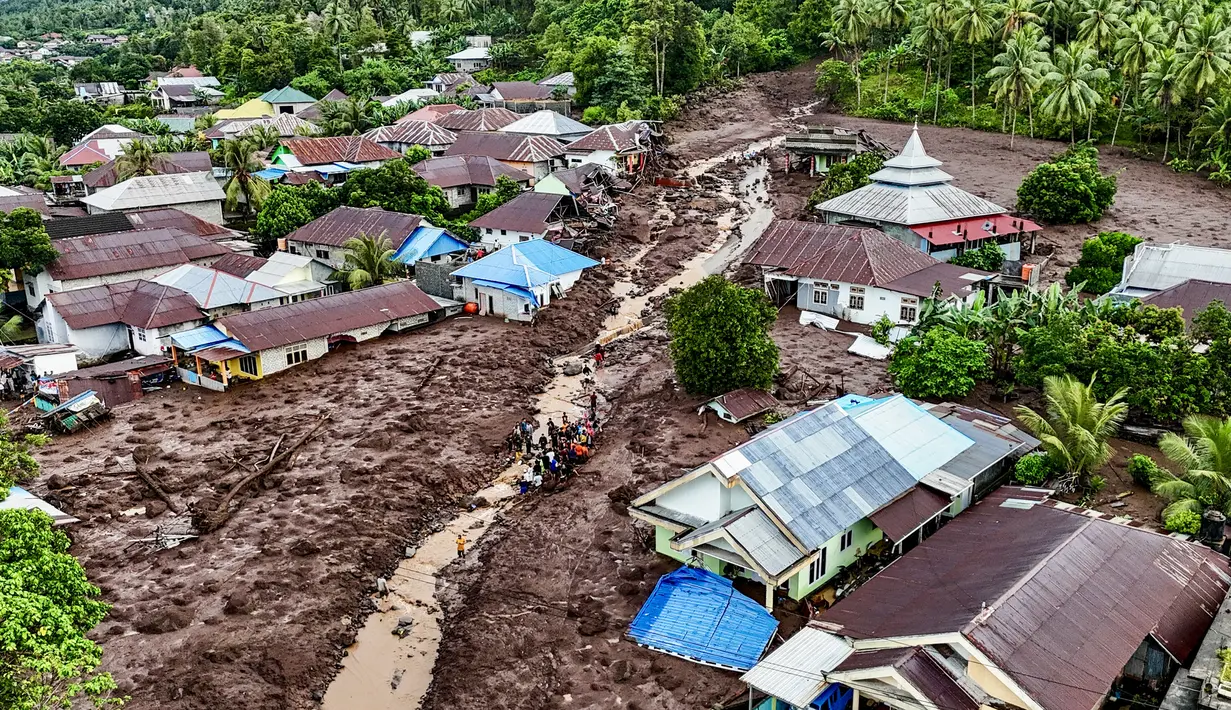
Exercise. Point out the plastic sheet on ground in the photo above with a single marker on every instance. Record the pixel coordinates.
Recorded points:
(818, 319)
(867, 347)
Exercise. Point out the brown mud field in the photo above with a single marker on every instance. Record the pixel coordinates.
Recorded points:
(258, 613)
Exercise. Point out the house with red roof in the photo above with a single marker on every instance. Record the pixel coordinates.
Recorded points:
(332, 158)
(627, 147)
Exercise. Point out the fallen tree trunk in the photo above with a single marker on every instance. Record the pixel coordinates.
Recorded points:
(210, 520)
(158, 491)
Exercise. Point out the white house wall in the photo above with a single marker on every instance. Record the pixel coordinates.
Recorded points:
(704, 497)
(274, 359)
(876, 302)
(210, 210)
(497, 302)
(44, 284)
(501, 238)
(54, 364)
(98, 341)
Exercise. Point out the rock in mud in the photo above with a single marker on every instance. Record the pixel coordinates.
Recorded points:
(164, 621)
(574, 367)
(237, 603)
(621, 670)
(396, 680)
(406, 622)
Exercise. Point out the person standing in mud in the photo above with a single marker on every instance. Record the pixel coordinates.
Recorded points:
(598, 356)
(543, 444)
(461, 546)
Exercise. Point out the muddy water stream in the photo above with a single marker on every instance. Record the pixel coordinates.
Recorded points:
(384, 672)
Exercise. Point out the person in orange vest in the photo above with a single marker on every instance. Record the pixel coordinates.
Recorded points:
(461, 545)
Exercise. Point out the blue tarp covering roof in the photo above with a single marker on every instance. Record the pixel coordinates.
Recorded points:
(426, 242)
(699, 616)
(527, 264)
(515, 290)
(198, 337)
(231, 343)
(270, 174)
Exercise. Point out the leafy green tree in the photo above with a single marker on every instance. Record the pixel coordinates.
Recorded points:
(368, 261)
(1136, 48)
(621, 82)
(988, 257)
(505, 190)
(351, 117)
(1164, 86)
(24, 246)
(1101, 262)
(67, 121)
(720, 337)
(1101, 23)
(46, 609)
(394, 186)
(283, 212)
(417, 154)
(1018, 14)
(1203, 456)
(588, 63)
(844, 177)
(941, 363)
(137, 160)
(834, 80)
(1068, 189)
(1075, 427)
(1206, 56)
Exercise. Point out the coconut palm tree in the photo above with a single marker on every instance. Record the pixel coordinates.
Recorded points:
(1180, 21)
(1075, 427)
(1054, 13)
(1072, 76)
(368, 260)
(1204, 457)
(1100, 24)
(973, 22)
(852, 22)
(137, 160)
(1133, 7)
(931, 38)
(262, 135)
(891, 16)
(1214, 127)
(239, 156)
(351, 117)
(1162, 85)
(1206, 56)
(1019, 72)
(1017, 14)
(1134, 50)
(338, 22)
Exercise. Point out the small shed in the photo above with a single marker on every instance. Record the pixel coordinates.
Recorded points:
(74, 413)
(696, 615)
(741, 404)
(118, 382)
(817, 148)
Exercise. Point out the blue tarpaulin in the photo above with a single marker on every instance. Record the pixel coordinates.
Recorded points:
(426, 242)
(198, 337)
(699, 616)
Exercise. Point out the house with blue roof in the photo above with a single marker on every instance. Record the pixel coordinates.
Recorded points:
(518, 280)
(808, 496)
(427, 243)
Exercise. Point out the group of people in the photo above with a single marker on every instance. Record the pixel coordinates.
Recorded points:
(556, 452)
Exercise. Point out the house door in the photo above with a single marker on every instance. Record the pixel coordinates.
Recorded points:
(491, 304)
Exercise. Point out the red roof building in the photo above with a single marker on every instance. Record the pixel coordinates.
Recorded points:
(338, 149)
(483, 119)
(324, 238)
(430, 113)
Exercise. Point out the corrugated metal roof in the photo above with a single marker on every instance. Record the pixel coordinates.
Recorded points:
(139, 303)
(836, 253)
(286, 95)
(20, 499)
(521, 91)
(457, 170)
(746, 402)
(526, 264)
(563, 79)
(119, 252)
(548, 123)
(338, 149)
(793, 671)
(430, 113)
(530, 212)
(105, 223)
(627, 137)
(483, 119)
(699, 616)
(345, 223)
(107, 174)
(954, 280)
(84, 154)
(117, 369)
(412, 133)
(471, 53)
(238, 264)
(751, 530)
(1193, 296)
(214, 289)
(169, 217)
(1057, 599)
(157, 191)
(905, 514)
(823, 471)
(328, 315)
(1155, 267)
(995, 438)
(512, 147)
(427, 242)
(198, 337)
(919, 204)
(409, 96)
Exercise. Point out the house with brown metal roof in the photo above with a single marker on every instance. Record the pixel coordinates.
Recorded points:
(404, 134)
(464, 177)
(430, 113)
(858, 274)
(627, 147)
(103, 259)
(1021, 601)
(334, 156)
(483, 119)
(107, 174)
(112, 318)
(536, 155)
(323, 238)
(530, 215)
(260, 343)
(527, 97)
(740, 404)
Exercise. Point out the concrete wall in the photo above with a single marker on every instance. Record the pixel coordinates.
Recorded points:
(43, 283)
(497, 302)
(54, 364)
(436, 279)
(703, 497)
(274, 359)
(95, 342)
(876, 302)
(500, 238)
(210, 211)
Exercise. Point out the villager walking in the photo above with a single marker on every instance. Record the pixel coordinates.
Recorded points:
(461, 546)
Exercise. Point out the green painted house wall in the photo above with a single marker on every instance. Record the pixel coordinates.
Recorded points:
(662, 544)
(865, 534)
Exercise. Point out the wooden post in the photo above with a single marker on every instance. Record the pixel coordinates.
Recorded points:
(225, 379)
(198, 359)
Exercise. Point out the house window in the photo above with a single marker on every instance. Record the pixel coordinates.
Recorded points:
(909, 313)
(140, 333)
(322, 253)
(489, 230)
(247, 365)
(297, 354)
(847, 538)
(819, 295)
(816, 570)
(504, 232)
(30, 290)
(291, 248)
(856, 302)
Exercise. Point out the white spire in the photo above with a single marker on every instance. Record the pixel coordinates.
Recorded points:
(913, 156)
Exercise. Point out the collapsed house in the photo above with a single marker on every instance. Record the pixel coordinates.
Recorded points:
(627, 148)
(818, 148)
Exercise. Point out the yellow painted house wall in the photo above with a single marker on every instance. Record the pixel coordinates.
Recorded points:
(991, 684)
(234, 371)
